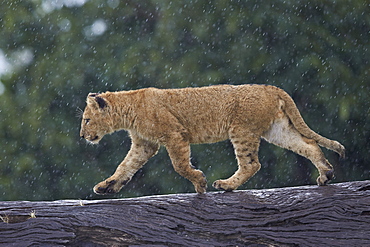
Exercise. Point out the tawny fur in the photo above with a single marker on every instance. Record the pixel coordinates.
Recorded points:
(177, 118)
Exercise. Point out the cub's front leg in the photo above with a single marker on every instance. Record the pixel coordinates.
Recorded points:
(140, 151)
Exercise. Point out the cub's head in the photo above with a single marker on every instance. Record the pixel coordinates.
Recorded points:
(95, 118)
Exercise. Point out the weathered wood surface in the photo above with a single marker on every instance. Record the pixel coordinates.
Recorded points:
(334, 215)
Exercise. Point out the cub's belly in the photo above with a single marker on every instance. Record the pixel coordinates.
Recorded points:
(205, 136)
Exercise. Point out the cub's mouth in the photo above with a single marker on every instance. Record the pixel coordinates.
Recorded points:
(93, 140)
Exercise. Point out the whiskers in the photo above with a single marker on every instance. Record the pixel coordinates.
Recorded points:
(79, 113)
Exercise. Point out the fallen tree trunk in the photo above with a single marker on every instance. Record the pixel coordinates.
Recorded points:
(334, 215)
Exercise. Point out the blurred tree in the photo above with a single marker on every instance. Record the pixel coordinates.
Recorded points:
(53, 53)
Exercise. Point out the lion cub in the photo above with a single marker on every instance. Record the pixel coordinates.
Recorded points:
(177, 118)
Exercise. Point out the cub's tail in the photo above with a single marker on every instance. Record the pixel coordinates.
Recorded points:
(295, 117)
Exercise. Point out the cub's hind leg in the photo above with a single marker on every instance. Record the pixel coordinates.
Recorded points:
(282, 133)
(246, 151)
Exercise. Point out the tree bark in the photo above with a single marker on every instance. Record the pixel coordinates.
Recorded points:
(333, 215)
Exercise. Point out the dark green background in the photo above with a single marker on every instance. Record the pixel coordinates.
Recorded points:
(318, 51)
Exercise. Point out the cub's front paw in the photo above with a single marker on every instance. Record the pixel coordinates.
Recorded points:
(222, 185)
(109, 187)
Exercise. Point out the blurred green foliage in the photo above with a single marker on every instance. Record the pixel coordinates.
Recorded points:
(53, 53)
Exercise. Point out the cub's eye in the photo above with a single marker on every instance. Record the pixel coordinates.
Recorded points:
(87, 120)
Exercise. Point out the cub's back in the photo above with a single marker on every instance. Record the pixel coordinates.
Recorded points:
(218, 100)
(210, 111)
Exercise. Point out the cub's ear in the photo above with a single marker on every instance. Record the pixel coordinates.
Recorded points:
(101, 102)
(95, 99)
(91, 98)
(93, 95)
